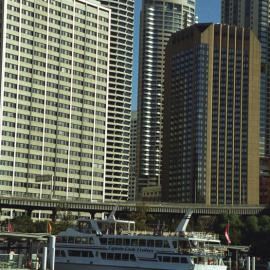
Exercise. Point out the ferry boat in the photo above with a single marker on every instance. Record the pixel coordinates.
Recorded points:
(115, 244)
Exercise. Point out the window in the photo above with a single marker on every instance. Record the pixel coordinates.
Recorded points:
(117, 256)
(125, 257)
(60, 253)
(184, 260)
(74, 253)
(71, 240)
(166, 259)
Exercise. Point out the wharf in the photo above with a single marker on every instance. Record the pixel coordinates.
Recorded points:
(22, 250)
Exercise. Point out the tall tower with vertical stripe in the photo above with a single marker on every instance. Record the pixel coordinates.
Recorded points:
(159, 19)
(119, 99)
(211, 116)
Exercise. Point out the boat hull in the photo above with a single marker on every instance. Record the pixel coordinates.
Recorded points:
(70, 266)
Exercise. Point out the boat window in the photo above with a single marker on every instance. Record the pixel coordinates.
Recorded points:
(84, 240)
(132, 257)
(71, 239)
(142, 242)
(60, 253)
(74, 253)
(125, 257)
(166, 244)
(85, 254)
(134, 242)
(194, 243)
(90, 241)
(84, 226)
(174, 244)
(158, 243)
(175, 259)
(183, 244)
(160, 258)
(184, 260)
(78, 240)
(150, 243)
(103, 241)
(166, 259)
(90, 254)
(126, 242)
(117, 256)
(110, 256)
(64, 239)
(59, 239)
(111, 241)
(118, 241)
(103, 255)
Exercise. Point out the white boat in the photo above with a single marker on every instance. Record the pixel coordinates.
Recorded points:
(115, 244)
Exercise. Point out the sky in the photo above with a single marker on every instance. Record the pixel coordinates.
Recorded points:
(206, 10)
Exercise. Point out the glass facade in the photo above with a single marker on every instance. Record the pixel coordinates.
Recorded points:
(159, 19)
(254, 14)
(188, 122)
(211, 116)
(132, 158)
(54, 98)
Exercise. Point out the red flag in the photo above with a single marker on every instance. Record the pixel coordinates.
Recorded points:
(49, 228)
(227, 233)
(10, 227)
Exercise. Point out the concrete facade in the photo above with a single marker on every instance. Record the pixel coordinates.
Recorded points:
(119, 98)
(54, 98)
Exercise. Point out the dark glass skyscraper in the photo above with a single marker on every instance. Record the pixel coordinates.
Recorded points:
(255, 14)
(159, 19)
(211, 116)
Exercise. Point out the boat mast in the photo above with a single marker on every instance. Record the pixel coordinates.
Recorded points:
(184, 222)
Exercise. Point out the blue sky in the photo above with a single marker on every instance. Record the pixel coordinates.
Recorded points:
(207, 10)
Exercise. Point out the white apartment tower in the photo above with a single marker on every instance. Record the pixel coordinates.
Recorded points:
(159, 19)
(54, 98)
(119, 99)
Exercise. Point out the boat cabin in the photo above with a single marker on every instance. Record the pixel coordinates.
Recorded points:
(106, 226)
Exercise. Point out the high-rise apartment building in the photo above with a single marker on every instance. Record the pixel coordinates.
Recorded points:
(211, 116)
(54, 98)
(132, 158)
(255, 14)
(119, 102)
(159, 19)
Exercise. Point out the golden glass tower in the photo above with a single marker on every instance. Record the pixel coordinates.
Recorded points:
(211, 116)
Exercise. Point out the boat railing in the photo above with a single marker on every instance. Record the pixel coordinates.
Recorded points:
(207, 252)
(199, 235)
(202, 235)
(16, 261)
